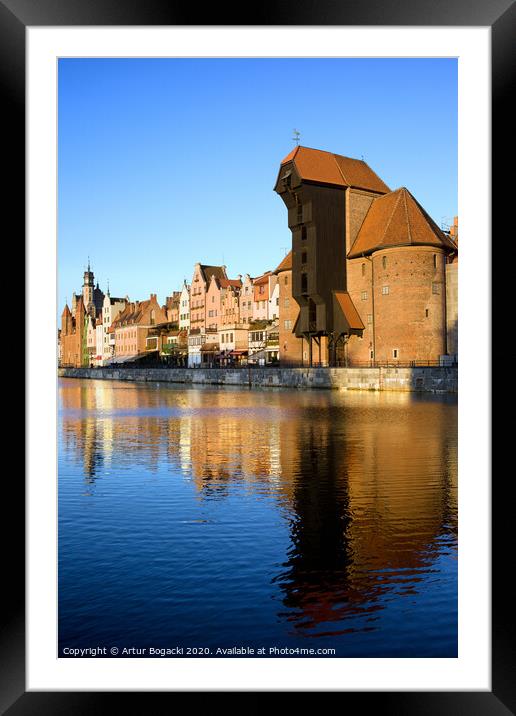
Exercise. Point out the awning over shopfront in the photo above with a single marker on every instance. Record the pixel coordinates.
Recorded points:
(121, 359)
(259, 355)
(345, 316)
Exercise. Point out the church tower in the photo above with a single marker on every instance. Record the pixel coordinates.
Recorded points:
(88, 287)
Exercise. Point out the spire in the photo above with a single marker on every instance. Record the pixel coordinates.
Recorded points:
(108, 287)
(89, 264)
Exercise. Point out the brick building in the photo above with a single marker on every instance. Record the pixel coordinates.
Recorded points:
(200, 283)
(246, 299)
(290, 346)
(73, 332)
(368, 263)
(132, 325)
(78, 324)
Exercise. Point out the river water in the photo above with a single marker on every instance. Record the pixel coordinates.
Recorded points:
(212, 518)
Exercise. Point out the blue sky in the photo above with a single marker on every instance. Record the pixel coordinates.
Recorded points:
(165, 162)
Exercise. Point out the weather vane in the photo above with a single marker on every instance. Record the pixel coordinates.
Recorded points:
(296, 136)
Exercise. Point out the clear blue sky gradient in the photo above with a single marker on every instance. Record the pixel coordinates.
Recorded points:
(165, 162)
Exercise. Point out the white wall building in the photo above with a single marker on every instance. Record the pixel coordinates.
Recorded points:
(274, 300)
(195, 341)
(110, 310)
(246, 300)
(184, 308)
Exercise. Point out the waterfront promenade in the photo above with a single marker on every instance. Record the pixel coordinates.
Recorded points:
(437, 379)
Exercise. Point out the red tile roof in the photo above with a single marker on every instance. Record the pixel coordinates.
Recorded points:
(264, 278)
(348, 309)
(397, 219)
(286, 264)
(225, 282)
(209, 271)
(328, 168)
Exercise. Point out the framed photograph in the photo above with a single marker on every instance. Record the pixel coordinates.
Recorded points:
(288, 539)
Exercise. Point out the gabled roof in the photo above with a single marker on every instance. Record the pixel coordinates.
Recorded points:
(235, 282)
(286, 264)
(397, 219)
(327, 168)
(209, 271)
(264, 278)
(132, 313)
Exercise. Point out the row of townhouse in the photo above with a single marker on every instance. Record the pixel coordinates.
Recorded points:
(214, 320)
(371, 279)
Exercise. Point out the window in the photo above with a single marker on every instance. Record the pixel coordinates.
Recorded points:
(363, 269)
(287, 303)
(371, 355)
(394, 352)
(304, 283)
(384, 262)
(303, 257)
(299, 212)
(435, 288)
(435, 260)
(385, 290)
(288, 325)
(369, 318)
(303, 233)
(426, 312)
(363, 295)
(286, 280)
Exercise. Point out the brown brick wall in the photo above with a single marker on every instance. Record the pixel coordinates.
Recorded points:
(452, 301)
(290, 347)
(400, 317)
(358, 203)
(359, 288)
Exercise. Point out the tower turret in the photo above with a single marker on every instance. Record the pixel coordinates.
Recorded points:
(88, 286)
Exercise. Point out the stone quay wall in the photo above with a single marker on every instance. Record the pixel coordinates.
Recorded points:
(442, 379)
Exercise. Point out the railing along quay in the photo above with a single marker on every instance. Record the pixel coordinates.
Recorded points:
(253, 366)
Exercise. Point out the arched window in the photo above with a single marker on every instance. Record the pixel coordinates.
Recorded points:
(384, 261)
(152, 317)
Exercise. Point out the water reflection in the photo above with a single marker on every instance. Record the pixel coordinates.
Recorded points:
(365, 482)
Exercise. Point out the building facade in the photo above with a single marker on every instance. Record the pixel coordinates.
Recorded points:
(132, 325)
(184, 307)
(290, 348)
(368, 264)
(200, 282)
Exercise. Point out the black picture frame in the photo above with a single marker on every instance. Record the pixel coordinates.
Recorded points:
(500, 16)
